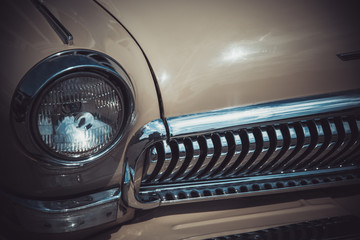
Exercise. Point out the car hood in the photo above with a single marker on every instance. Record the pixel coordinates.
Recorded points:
(209, 55)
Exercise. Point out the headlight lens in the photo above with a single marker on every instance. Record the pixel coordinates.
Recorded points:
(79, 115)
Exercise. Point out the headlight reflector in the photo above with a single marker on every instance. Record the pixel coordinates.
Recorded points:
(79, 115)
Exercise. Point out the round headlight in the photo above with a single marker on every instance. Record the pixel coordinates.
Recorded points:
(78, 115)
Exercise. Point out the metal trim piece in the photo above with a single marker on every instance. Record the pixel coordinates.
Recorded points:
(200, 123)
(252, 186)
(69, 205)
(349, 55)
(151, 133)
(68, 215)
(64, 34)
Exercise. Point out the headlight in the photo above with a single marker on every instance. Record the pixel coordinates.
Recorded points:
(79, 115)
(72, 107)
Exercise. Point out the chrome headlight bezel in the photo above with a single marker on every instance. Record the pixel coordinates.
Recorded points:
(49, 72)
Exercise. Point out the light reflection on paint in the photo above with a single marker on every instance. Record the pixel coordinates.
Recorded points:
(236, 53)
(163, 77)
(241, 51)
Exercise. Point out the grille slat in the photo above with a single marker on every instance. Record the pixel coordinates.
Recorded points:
(354, 150)
(317, 145)
(325, 136)
(281, 148)
(351, 133)
(253, 150)
(271, 144)
(338, 145)
(223, 157)
(208, 151)
(234, 151)
(305, 145)
(166, 161)
(356, 146)
(333, 143)
(264, 154)
(182, 158)
(295, 142)
(244, 140)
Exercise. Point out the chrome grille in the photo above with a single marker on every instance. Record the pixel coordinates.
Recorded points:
(279, 148)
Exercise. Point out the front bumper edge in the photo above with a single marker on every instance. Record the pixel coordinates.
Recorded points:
(69, 215)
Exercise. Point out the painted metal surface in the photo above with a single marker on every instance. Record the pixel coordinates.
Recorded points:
(220, 218)
(210, 55)
(26, 39)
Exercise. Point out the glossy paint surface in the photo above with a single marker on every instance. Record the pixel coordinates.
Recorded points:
(26, 39)
(210, 55)
(220, 218)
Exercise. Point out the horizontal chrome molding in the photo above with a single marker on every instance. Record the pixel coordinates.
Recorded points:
(229, 182)
(249, 187)
(355, 55)
(201, 123)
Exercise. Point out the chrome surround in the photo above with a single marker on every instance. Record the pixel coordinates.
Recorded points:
(201, 123)
(51, 69)
(149, 134)
(221, 121)
(68, 215)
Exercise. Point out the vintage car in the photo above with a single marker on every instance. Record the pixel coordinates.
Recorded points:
(180, 120)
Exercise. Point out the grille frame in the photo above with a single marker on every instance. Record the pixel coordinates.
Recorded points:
(151, 194)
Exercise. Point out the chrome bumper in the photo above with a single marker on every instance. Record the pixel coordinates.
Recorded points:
(60, 216)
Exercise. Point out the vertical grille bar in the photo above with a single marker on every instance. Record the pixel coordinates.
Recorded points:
(254, 150)
(282, 148)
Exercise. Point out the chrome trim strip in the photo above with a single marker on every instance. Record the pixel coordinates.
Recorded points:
(253, 186)
(210, 183)
(349, 55)
(69, 205)
(149, 134)
(64, 34)
(201, 123)
(259, 193)
(68, 215)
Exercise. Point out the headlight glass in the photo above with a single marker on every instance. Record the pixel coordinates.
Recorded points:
(79, 115)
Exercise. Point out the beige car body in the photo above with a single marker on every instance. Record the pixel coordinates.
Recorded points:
(203, 56)
(210, 55)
